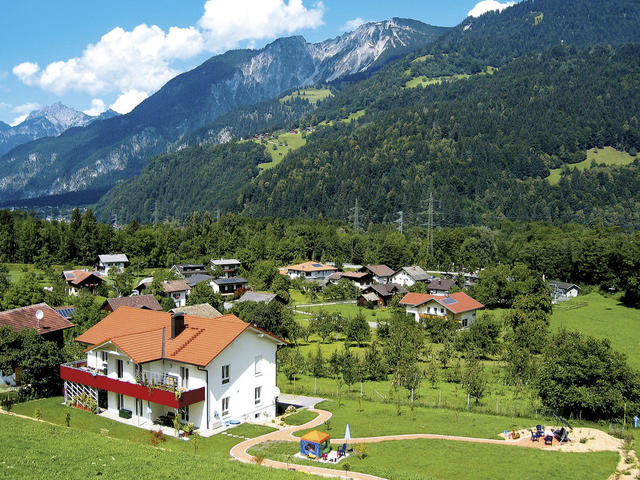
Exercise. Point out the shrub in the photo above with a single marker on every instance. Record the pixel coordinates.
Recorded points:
(37, 414)
(258, 458)
(361, 450)
(156, 437)
(7, 403)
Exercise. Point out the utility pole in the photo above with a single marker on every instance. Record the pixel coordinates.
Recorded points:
(400, 221)
(217, 215)
(430, 225)
(356, 217)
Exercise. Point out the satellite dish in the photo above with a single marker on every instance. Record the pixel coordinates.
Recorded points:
(39, 314)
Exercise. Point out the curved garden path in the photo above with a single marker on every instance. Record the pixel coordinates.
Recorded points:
(239, 451)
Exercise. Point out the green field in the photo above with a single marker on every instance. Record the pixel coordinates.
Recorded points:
(442, 459)
(354, 116)
(350, 310)
(33, 450)
(607, 156)
(279, 146)
(313, 95)
(602, 317)
(423, 81)
(300, 418)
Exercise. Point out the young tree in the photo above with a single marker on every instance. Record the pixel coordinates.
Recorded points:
(24, 291)
(474, 380)
(374, 364)
(316, 363)
(322, 324)
(291, 362)
(203, 293)
(357, 329)
(446, 354)
(350, 368)
(405, 341)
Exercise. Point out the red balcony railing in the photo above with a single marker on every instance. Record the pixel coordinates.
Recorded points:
(78, 373)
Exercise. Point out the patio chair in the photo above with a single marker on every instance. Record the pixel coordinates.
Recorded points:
(342, 450)
(548, 440)
(539, 430)
(535, 436)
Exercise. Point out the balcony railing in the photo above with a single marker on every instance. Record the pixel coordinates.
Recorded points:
(161, 393)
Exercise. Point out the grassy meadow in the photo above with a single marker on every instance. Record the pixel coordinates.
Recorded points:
(313, 95)
(602, 317)
(606, 155)
(280, 145)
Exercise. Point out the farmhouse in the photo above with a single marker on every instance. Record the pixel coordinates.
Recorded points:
(49, 323)
(309, 271)
(228, 285)
(360, 279)
(110, 262)
(408, 276)
(78, 279)
(379, 273)
(458, 307)
(152, 365)
(381, 294)
(563, 290)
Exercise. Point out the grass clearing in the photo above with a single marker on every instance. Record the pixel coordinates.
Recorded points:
(602, 317)
(279, 146)
(424, 81)
(39, 450)
(351, 310)
(300, 417)
(313, 95)
(442, 459)
(353, 116)
(608, 156)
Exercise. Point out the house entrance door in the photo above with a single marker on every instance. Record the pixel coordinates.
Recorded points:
(103, 399)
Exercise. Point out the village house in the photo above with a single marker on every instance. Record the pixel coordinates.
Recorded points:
(155, 366)
(115, 262)
(439, 286)
(229, 266)
(203, 310)
(381, 295)
(178, 290)
(408, 276)
(194, 280)
(78, 279)
(47, 321)
(561, 291)
(379, 273)
(458, 307)
(228, 285)
(136, 301)
(309, 271)
(188, 270)
(360, 279)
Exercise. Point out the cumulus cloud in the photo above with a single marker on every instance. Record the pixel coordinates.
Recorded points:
(97, 107)
(352, 24)
(128, 101)
(226, 23)
(488, 6)
(23, 112)
(136, 63)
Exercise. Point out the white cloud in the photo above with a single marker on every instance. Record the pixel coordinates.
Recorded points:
(23, 112)
(128, 101)
(488, 6)
(5, 106)
(97, 107)
(18, 120)
(352, 24)
(136, 63)
(226, 23)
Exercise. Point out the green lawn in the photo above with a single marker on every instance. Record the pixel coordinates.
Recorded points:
(378, 418)
(313, 95)
(351, 310)
(423, 81)
(300, 418)
(441, 459)
(602, 317)
(33, 450)
(607, 156)
(279, 146)
(18, 270)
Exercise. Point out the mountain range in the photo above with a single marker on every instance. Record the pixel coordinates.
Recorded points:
(95, 157)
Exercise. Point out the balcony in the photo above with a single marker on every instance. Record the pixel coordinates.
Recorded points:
(78, 372)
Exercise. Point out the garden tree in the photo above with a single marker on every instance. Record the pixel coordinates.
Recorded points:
(520, 365)
(203, 293)
(357, 329)
(350, 368)
(38, 359)
(440, 329)
(374, 367)
(305, 332)
(24, 291)
(332, 292)
(323, 324)
(316, 363)
(494, 288)
(291, 362)
(122, 282)
(273, 317)
(432, 373)
(446, 354)
(167, 303)
(405, 341)
(334, 364)
(280, 283)
(409, 375)
(418, 287)
(482, 336)
(263, 274)
(86, 313)
(4, 276)
(583, 376)
(474, 380)
(528, 321)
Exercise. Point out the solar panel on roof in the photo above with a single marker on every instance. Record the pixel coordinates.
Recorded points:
(317, 265)
(449, 301)
(66, 312)
(69, 275)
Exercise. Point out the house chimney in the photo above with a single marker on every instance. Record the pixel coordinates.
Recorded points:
(177, 324)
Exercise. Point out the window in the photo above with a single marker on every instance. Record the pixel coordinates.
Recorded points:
(225, 406)
(225, 374)
(258, 365)
(442, 310)
(184, 414)
(465, 322)
(120, 368)
(184, 374)
(120, 401)
(105, 362)
(257, 393)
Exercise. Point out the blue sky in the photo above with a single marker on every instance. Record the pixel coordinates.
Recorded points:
(95, 55)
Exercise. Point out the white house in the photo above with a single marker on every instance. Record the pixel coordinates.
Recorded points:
(458, 307)
(178, 290)
(563, 290)
(110, 262)
(380, 273)
(408, 276)
(228, 286)
(229, 266)
(150, 365)
(309, 271)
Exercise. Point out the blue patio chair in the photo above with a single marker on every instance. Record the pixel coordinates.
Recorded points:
(342, 450)
(535, 436)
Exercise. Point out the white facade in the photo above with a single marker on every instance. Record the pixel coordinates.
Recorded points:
(313, 275)
(465, 319)
(118, 266)
(250, 361)
(179, 298)
(403, 278)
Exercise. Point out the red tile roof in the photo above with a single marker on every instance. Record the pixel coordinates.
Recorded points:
(25, 317)
(138, 333)
(380, 270)
(137, 301)
(310, 267)
(458, 302)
